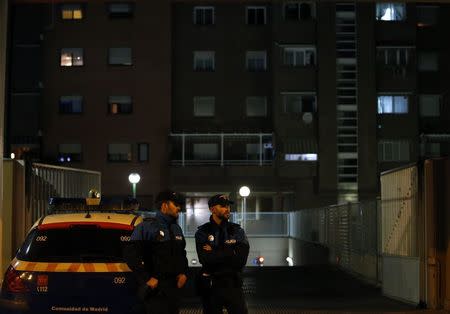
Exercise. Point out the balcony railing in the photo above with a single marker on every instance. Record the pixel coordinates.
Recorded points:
(222, 149)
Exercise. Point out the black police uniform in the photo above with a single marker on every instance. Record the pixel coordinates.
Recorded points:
(157, 249)
(220, 279)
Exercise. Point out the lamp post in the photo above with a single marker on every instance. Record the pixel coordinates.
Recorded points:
(244, 192)
(134, 179)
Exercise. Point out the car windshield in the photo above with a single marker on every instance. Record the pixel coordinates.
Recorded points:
(76, 244)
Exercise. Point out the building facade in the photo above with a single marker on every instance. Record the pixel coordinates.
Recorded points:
(304, 102)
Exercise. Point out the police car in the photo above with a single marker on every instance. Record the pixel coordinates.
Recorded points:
(72, 261)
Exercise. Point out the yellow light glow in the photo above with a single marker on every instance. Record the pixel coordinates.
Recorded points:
(77, 15)
(67, 15)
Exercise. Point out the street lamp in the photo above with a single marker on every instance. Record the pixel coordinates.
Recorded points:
(244, 192)
(134, 179)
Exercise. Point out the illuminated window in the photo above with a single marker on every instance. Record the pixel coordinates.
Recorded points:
(299, 102)
(120, 56)
(204, 15)
(204, 61)
(119, 152)
(256, 61)
(71, 104)
(300, 157)
(390, 104)
(256, 106)
(71, 57)
(298, 11)
(71, 12)
(391, 11)
(256, 15)
(120, 9)
(299, 56)
(204, 106)
(69, 152)
(120, 104)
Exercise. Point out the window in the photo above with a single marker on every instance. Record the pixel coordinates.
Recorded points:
(71, 104)
(256, 15)
(300, 157)
(427, 61)
(119, 152)
(432, 149)
(299, 103)
(204, 106)
(394, 56)
(71, 12)
(69, 152)
(143, 152)
(206, 151)
(299, 56)
(427, 15)
(394, 150)
(204, 61)
(204, 15)
(256, 61)
(391, 12)
(298, 11)
(120, 9)
(429, 105)
(120, 104)
(256, 106)
(389, 104)
(120, 56)
(71, 57)
(253, 151)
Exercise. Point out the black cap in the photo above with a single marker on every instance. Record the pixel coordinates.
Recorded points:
(169, 195)
(219, 199)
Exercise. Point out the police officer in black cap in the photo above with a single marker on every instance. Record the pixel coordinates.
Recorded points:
(222, 248)
(157, 256)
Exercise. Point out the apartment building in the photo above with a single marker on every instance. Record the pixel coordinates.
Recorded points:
(305, 102)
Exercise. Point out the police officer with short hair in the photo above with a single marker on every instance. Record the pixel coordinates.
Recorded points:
(222, 248)
(157, 256)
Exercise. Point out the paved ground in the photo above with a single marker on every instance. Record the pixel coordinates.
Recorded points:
(318, 289)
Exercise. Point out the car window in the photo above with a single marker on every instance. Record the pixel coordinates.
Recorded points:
(77, 244)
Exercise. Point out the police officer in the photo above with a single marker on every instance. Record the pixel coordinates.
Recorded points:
(222, 248)
(157, 256)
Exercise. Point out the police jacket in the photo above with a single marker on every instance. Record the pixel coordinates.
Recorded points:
(229, 245)
(157, 249)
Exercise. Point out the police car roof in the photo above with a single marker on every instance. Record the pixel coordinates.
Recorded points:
(102, 220)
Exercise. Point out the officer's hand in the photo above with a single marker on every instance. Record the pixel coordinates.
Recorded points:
(207, 247)
(152, 283)
(181, 280)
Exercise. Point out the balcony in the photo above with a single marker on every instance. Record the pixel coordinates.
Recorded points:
(222, 149)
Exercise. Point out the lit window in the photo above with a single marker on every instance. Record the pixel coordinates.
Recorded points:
(69, 152)
(204, 61)
(256, 61)
(120, 9)
(427, 15)
(71, 12)
(395, 150)
(206, 151)
(120, 56)
(256, 15)
(204, 15)
(391, 11)
(300, 157)
(427, 61)
(71, 57)
(298, 11)
(430, 105)
(299, 103)
(143, 152)
(256, 106)
(299, 56)
(119, 152)
(204, 106)
(120, 104)
(71, 104)
(389, 104)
